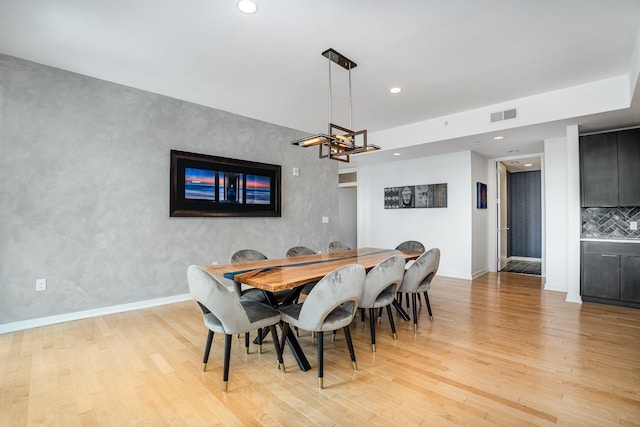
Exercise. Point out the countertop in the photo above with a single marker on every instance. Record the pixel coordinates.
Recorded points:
(608, 240)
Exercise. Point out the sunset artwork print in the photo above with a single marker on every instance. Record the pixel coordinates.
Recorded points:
(258, 190)
(199, 184)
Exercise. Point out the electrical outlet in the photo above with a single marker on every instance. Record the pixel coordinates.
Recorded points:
(41, 285)
(633, 225)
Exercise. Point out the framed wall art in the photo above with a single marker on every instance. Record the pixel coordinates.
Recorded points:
(481, 195)
(416, 196)
(204, 185)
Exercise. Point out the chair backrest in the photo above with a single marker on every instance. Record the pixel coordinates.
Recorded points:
(299, 250)
(336, 246)
(208, 291)
(411, 245)
(421, 271)
(383, 281)
(247, 255)
(342, 287)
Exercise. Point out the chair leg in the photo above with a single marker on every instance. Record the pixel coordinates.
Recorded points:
(261, 334)
(276, 344)
(207, 349)
(415, 312)
(372, 325)
(379, 314)
(246, 342)
(320, 360)
(426, 299)
(393, 325)
(362, 317)
(352, 353)
(285, 331)
(333, 335)
(227, 356)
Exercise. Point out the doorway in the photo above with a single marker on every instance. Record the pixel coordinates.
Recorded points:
(519, 186)
(348, 207)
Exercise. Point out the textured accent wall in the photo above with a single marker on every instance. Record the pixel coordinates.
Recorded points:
(610, 223)
(525, 214)
(84, 184)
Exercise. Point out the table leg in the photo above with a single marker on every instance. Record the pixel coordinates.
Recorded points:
(401, 312)
(289, 335)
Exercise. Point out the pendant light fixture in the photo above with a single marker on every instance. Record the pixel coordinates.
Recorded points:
(339, 143)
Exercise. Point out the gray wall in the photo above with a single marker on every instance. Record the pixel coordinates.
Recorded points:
(84, 190)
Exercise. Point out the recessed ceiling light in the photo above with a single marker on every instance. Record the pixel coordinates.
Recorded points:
(498, 137)
(247, 6)
(528, 164)
(395, 90)
(396, 154)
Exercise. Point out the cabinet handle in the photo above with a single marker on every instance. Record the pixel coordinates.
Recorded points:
(610, 256)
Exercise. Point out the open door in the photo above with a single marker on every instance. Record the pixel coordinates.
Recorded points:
(502, 231)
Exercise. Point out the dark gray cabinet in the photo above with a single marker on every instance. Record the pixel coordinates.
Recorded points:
(609, 171)
(630, 278)
(611, 273)
(629, 167)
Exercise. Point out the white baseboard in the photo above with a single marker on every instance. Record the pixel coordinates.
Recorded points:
(573, 298)
(479, 273)
(68, 317)
(522, 258)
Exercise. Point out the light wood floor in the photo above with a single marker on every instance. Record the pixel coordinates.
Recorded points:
(500, 351)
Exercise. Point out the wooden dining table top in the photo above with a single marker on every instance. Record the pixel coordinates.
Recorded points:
(278, 274)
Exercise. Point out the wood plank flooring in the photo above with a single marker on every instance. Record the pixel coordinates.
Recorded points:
(501, 351)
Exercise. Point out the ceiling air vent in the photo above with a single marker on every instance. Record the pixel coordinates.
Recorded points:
(504, 115)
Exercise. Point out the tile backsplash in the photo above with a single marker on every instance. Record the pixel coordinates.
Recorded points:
(610, 223)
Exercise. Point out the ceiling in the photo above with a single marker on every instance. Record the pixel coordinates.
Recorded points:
(448, 56)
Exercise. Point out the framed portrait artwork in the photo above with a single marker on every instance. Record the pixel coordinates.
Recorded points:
(481, 195)
(416, 196)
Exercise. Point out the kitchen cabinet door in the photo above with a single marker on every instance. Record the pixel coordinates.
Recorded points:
(599, 169)
(629, 167)
(630, 278)
(601, 276)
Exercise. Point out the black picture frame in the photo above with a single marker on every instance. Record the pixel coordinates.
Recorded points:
(210, 186)
(481, 195)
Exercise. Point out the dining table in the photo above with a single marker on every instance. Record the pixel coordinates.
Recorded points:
(280, 274)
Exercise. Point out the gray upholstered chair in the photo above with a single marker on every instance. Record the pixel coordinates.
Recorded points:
(336, 246)
(380, 287)
(299, 251)
(417, 278)
(411, 245)
(247, 292)
(331, 304)
(225, 313)
(247, 255)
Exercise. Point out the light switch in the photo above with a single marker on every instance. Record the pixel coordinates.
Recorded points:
(296, 172)
(325, 220)
(633, 225)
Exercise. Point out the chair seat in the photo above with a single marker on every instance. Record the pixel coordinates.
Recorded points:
(338, 318)
(260, 315)
(384, 299)
(423, 287)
